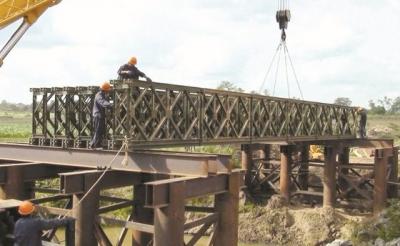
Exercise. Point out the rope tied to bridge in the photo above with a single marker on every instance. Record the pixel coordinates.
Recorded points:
(125, 147)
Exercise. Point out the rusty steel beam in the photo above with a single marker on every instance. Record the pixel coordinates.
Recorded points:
(34, 171)
(157, 192)
(77, 182)
(160, 162)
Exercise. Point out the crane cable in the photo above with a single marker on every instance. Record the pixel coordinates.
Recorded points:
(283, 8)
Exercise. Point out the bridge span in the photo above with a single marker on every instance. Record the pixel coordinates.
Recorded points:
(163, 115)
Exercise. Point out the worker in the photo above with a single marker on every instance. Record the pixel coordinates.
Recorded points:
(28, 229)
(363, 121)
(130, 71)
(100, 105)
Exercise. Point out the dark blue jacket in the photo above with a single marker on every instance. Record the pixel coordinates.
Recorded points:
(28, 230)
(128, 71)
(100, 104)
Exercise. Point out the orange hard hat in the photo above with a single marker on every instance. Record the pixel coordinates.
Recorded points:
(133, 60)
(26, 208)
(105, 86)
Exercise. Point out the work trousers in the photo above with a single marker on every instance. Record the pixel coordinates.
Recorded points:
(363, 131)
(99, 126)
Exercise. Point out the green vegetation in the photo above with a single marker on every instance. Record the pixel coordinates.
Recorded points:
(386, 226)
(15, 126)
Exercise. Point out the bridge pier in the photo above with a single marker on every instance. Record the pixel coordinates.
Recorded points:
(344, 160)
(394, 162)
(247, 164)
(14, 186)
(329, 178)
(304, 168)
(286, 169)
(227, 206)
(169, 221)
(141, 214)
(380, 169)
(85, 213)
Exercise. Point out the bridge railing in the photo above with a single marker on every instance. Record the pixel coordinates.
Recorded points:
(156, 114)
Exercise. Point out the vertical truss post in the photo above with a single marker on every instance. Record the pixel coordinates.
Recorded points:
(85, 214)
(303, 169)
(247, 164)
(227, 206)
(286, 169)
(169, 221)
(380, 185)
(329, 178)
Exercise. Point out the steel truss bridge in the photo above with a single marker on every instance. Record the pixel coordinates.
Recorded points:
(157, 114)
(274, 134)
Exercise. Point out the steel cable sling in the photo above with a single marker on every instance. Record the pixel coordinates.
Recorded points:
(283, 16)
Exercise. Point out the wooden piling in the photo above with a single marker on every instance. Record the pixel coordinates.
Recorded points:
(85, 214)
(380, 184)
(169, 221)
(304, 169)
(227, 207)
(329, 178)
(286, 166)
(247, 164)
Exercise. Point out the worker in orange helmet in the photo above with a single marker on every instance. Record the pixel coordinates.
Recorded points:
(130, 71)
(28, 229)
(100, 105)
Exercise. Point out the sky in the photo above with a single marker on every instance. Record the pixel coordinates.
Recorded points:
(342, 48)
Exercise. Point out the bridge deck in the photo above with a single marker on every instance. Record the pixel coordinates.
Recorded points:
(156, 114)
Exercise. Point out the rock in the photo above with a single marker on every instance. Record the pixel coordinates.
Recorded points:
(340, 242)
(276, 202)
(379, 242)
(395, 242)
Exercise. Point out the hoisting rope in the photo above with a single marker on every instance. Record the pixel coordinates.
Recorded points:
(282, 17)
(125, 147)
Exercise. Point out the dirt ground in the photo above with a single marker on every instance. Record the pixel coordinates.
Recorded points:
(296, 225)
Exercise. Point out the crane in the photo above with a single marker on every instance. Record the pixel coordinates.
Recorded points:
(27, 10)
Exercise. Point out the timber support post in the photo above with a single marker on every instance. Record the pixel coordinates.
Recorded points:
(247, 164)
(227, 206)
(141, 214)
(85, 213)
(304, 169)
(14, 187)
(329, 178)
(286, 169)
(344, 160)
(394, 164)
(380, 187)
(169, 221)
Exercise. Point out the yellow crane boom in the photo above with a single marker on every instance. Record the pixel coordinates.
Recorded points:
(27, 10)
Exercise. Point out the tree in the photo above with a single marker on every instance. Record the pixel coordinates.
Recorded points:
(229, 86)
(395, 107)
(376, 109)
(344, 101)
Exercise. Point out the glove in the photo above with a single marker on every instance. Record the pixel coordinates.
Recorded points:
(68, 221)
(148, 79)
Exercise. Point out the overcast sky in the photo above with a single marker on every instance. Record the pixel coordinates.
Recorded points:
(342, 48)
